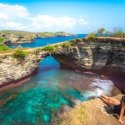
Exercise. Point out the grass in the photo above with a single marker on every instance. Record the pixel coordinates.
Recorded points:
(91, 37)
(49, 48)
(66, 45)
(4, 48)
(1, 40)
(20, 54)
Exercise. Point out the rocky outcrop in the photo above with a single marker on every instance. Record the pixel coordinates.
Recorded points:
(12, 69)
(97, 55)
(93, 112)
(80, 53)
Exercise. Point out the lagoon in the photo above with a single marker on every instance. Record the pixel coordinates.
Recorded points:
(50, 91)
(40, 100)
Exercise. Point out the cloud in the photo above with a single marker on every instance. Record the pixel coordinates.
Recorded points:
(13, 11)
(15, 25)
(48, 22)
(17, 17)
(82, 21)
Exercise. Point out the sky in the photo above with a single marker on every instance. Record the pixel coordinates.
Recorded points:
(73, 16)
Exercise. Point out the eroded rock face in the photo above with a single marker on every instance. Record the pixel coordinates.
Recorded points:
(13, 69)
(95, 56)
(106, 56)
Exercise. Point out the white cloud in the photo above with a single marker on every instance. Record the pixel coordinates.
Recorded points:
(45, 22)
(3, 16)
(14, 25)
(13, 11)
(19, 18)
(82, 21)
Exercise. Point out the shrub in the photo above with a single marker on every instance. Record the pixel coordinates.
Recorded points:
(91, 37)
(20, 54)
(120, 34)
(49, 48)
(1, 40)
(66, 45)
(4, 48)
(78, 40)
(38, 50)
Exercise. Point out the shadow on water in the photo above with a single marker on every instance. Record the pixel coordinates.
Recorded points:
(49, 92)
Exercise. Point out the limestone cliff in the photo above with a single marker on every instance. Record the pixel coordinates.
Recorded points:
(12, 69)
(100, 54)
(80, 53)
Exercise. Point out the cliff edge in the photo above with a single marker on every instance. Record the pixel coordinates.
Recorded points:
(93, 112)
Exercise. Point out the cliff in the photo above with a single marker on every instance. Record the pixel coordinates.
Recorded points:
(12, 69)
(80, 54)
(106, 54)
(93, 112)
(100, 54)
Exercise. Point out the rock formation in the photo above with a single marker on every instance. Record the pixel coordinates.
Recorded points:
(79, 53)
(97, 55)
(12, 69)
(93, 112)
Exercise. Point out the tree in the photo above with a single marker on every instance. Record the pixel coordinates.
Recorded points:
(101, 31)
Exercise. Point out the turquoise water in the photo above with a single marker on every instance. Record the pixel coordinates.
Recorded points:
(45, 41)
(44, 97)
(39, 100)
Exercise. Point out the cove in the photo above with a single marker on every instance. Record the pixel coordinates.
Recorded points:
(41, 100)
(38, 42)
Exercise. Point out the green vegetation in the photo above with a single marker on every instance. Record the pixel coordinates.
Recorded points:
(120, 34)
(38, 50)
(20, 54)
(66, 45)
(51, 34)
(1, 41)
(91, 36)
(102, 32)
(78, 40)
(49, 48)
(2, 46)
(25, 34)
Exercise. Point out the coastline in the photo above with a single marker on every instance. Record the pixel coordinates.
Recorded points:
(16, 83)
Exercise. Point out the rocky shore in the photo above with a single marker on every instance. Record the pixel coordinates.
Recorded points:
(104, 57)
(100, 56)
(19, 37)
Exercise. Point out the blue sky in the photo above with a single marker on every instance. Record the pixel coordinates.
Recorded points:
(75, 16)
